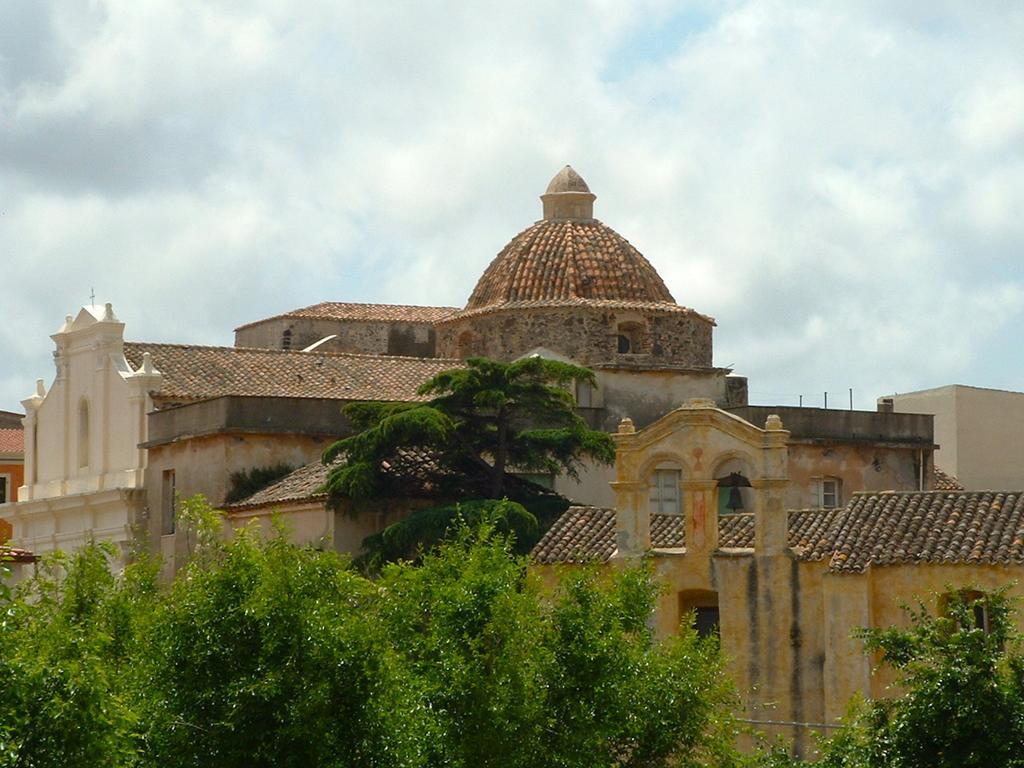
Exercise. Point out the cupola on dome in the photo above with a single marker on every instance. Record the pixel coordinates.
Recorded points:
(568, 256)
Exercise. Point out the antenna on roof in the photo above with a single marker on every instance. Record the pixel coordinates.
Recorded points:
(92, 297)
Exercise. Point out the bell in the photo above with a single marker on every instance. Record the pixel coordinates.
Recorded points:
(735, 501)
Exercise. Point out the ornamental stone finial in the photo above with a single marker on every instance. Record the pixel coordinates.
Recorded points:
(773, 423)
(568, 197)
(626, 426)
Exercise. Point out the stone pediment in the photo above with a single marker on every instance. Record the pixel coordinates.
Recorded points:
(703, 415)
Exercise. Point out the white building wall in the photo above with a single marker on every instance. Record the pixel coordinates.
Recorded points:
(83, 466)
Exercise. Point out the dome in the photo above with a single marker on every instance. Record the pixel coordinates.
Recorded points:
(568, 256)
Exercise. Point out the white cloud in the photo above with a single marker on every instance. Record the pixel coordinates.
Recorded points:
(838, 184)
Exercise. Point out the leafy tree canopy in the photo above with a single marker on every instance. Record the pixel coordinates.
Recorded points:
(963, 706)
(480, 421)
(262, 653)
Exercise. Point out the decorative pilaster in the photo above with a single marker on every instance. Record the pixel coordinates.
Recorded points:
(771, 521)
(632, 520)
(701, 516)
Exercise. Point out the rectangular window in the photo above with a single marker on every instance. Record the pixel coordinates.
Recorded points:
(5, 484)
(664, 498)
(167, 503)
(826, 492)
(584, 394)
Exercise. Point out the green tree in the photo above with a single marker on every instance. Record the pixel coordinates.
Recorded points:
(963, 677)
(480, 421)
(66, 640)
(261, 653)
(516, 674)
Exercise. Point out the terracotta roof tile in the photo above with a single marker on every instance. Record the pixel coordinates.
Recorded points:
(302, 484)
(16, 555)
(413, 473)
(580, 535)
(12, 441)
(387, 313)
(568, 259)
(874, 529)
(199, 373)
(943, 481)
(929, 527)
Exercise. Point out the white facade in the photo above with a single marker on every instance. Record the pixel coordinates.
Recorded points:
(83, 465)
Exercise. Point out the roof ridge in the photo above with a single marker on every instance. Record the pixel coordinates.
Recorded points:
(295, 312)
(262, 350)
(944, 492)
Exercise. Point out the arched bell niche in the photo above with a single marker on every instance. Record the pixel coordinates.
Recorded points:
(733, 488)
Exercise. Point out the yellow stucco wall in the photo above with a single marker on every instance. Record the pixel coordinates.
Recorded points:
(786, 625)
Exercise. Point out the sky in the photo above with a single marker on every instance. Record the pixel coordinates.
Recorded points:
(840, 185)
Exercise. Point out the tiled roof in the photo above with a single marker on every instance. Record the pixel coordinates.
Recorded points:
(929, 527)
(12, 441)
(585, 534)
(16, 555)
(580, 535)
(568, 259)
(199, 373)
(411, 473)
(387, 313)
(10, 420)
(874, 529)
(943, 481)
(303, 484)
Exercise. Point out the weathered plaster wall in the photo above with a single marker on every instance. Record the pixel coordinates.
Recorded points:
(646, 396)
(584, 334)
(204, 464)
(860, 467)
(312, 523)
(357, 336)
(892, 586)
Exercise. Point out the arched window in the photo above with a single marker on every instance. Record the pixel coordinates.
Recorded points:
(83, 433)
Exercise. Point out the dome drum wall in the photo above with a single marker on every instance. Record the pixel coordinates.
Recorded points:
(587, 335)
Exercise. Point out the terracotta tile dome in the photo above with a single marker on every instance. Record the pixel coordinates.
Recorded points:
(568, 255)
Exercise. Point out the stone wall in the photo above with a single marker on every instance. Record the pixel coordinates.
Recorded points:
(354, 336)
(587, 335)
